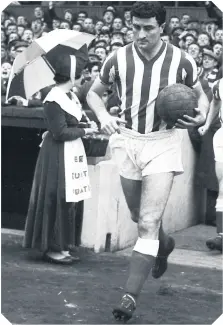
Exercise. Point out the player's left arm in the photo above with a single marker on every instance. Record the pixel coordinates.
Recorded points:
(192, 81)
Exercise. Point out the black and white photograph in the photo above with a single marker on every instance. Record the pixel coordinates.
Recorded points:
(111, 162)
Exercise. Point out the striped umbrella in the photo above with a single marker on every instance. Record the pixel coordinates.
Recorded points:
(33, 69)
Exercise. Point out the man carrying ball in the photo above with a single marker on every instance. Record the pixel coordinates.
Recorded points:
(216, 108)
(147, 152)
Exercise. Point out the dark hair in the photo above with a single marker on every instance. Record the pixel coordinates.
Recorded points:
(193, 20)
(194, 43)
(11, 24)
(58, 78)
(149, 9)
(83, 12)
(101, 47)
(217, 43)
(174, 17)
(66, 21)
(104, 12)
(90, 65)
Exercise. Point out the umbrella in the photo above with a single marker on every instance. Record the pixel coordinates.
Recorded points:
(33, 69)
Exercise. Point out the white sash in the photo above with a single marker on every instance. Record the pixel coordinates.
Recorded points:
(77, 183)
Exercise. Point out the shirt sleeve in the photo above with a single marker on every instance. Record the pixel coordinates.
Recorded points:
(107, 73)
(190, 70)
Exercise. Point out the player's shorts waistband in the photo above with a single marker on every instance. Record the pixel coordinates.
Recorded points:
(163, 134)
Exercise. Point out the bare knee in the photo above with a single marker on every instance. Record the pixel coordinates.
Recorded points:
(149, 228)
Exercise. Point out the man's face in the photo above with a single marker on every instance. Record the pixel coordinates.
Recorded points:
(127, 15)
(3, 52)
(13, 37)
(81, 16)
(11, 29)
(3, 37)
(219, 35)
(117, 38)
(12, 52)
(28, 36)
(129, 37)
(203, 40)
(55, 24)
(105, 37)
(38, 12)
(189, 39)
(108, 17)
(194, 50)
(117, 24)
(193, 25)
(88, 24)
(68, 16)
(5, 70)
(7, 22)
(101, 52)
(98, 26)
(146, 32)
(64, 25)
(36, 26)
(174, 22)
(124, 30)
(76, 27)
(218, 49)
(21, 20)
(21, 30)
(208, 62)
(185, 19)
(94, 72)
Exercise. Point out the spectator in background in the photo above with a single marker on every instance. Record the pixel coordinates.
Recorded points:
(129, 36)
(108, 17)
(102, 43)
(65, 24)
(193, 24)
(101, 52)
(12, 51)
(82, 15)
(13, 37)
(218, 49)
(94, 57)
(189, 39)
(105, 36)
(11, 28)
(56, 23)
(173, 23)
(88, 25)
(195, 51)
(4, 53)
(204, 40)
(77, 27)
(184, 20)
(98, 26)
(127, 18)
(7, 22)
(68, 15)
(20, 29)
(124, 30)
(218, 37)
(208, 71)
(27, 35)
(21, 20)
(36, 26)
(5, 73)
(117, 36)
(3, 36)
(39, 13)
(193, 31)
(117, 24)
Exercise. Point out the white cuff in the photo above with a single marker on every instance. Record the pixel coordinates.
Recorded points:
(147, 246)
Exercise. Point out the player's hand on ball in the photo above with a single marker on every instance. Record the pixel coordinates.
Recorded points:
(110, 124)
(203, 130)
(189, 122)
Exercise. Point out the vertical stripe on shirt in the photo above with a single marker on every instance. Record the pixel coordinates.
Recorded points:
(130, 74)
(121, 62)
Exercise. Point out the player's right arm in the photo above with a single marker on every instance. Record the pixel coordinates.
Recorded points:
(213, 111)
(109, 124)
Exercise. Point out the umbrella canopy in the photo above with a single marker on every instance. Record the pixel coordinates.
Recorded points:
(34, 69)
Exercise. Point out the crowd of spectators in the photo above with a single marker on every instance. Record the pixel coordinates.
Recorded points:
(203, 40)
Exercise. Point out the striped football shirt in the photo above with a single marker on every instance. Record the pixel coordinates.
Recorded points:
(139, 81)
